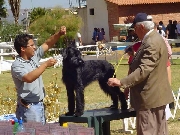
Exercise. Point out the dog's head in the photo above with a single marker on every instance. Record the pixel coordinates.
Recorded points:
(72, 56)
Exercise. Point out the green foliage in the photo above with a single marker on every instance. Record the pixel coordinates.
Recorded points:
(36, 13)
(3, 10)
(9, 30)
(51, 22)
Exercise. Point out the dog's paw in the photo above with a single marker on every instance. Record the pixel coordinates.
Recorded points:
(69, 113)
(124, 107)
(113, 107)
(78, 114)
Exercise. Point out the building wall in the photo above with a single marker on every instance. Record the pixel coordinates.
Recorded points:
(159, 12)
(82, 12)
(99, 19)
(113, 15)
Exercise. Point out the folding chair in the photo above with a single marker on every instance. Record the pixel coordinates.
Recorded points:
(168, 112)
(176, 102)
(126, 121)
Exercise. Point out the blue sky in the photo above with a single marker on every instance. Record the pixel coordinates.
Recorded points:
(43, 3)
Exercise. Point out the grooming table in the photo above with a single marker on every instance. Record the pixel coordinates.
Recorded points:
(99, 119)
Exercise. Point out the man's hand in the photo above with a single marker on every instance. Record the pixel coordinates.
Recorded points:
(51, 62)
(53, 39)
(62, 30)
(114, 82)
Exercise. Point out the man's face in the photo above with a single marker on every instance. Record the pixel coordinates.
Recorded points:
(30, 49)
(136, 28)
(139, 30)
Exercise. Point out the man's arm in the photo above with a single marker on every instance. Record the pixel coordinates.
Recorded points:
(53, 39)
(79, 38)
(80, 41)
(148, 62)
(33, 75)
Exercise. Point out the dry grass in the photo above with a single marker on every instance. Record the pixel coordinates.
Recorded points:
(176, 49)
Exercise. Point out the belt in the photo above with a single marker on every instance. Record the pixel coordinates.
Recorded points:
(26, 104)
(35, 102)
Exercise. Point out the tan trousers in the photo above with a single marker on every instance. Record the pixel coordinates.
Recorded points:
(152, 122)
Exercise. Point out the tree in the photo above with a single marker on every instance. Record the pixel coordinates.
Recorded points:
(9, 30)
(51, 22)
(3, 10)
(36, 13)
(15, 7)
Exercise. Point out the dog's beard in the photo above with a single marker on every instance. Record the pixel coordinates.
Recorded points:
(77, 61)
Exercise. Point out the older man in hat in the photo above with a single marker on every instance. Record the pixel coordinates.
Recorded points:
(148, 79)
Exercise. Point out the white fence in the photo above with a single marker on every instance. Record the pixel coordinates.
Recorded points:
(6, 64)
(6, 49)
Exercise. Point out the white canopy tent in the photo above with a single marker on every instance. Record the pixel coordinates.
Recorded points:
(122, 26)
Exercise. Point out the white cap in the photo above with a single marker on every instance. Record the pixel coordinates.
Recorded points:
(149, 17)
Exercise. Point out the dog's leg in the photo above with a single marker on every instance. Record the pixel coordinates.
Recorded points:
(122, 98)
(79, 101)
(71, 100)
(114, 97)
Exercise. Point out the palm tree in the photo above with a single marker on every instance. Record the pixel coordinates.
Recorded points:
(3, 10)
(15, 7)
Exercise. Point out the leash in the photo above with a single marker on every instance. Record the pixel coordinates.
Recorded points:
(121, 60)
(118, 65)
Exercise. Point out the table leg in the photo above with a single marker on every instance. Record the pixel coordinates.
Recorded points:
(90, 122)
(61, 123)
(106, 128)
(96, 125)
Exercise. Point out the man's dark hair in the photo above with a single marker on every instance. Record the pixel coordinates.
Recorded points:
(21, 41)
(170, 21)
(161, 23)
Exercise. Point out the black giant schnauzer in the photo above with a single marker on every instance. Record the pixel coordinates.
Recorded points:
(77, 74)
